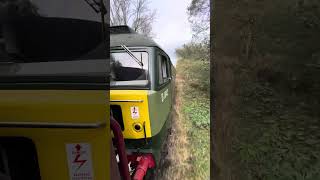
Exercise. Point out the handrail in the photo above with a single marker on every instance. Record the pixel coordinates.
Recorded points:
(52, 125)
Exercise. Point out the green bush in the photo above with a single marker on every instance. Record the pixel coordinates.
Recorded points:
(197, 74)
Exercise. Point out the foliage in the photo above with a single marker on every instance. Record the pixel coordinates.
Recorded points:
(193, 67)
(198, 112)
(195, 51)
(276, 132)
(199, 17)
(137, 14)
(274, 124)
(196, 73)
(195, 110)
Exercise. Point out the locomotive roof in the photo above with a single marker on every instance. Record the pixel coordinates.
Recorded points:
(123, 35)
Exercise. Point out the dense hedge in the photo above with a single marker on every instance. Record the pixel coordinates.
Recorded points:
(268, 89)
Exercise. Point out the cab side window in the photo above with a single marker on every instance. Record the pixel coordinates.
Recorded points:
(163, 69)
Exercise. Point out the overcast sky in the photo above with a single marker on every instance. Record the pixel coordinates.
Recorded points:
(171, 27)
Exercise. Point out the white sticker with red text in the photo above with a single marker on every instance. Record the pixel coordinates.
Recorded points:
(79, 161)
(135, 112)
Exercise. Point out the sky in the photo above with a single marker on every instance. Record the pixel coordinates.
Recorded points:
(171, 27)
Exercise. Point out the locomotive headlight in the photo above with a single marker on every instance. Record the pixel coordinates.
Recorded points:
(137, 127)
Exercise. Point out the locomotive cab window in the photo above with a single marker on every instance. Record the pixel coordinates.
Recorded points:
(129, 69)
(164, 74)
(56, 44)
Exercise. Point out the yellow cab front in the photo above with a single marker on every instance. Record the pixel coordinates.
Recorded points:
(53, 91)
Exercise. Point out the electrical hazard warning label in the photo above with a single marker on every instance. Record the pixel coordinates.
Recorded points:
(135, 112)
(79, 161)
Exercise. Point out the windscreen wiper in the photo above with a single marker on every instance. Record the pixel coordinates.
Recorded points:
(98, 7)
(132, 55)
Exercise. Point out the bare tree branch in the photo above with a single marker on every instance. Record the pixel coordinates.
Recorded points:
(199, 17)
(135, 13)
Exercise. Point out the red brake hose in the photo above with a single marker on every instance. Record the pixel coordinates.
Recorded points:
(124, 169)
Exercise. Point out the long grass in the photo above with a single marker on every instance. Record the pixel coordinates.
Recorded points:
(188, 145)
(196, 112)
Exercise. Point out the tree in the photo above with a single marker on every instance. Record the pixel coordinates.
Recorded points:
(134, 13)
(199, 17)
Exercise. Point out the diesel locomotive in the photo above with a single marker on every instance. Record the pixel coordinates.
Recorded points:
(142, 86)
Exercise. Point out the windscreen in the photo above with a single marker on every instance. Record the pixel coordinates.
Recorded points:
(126, 71)
(41, 40)
(46, 30)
